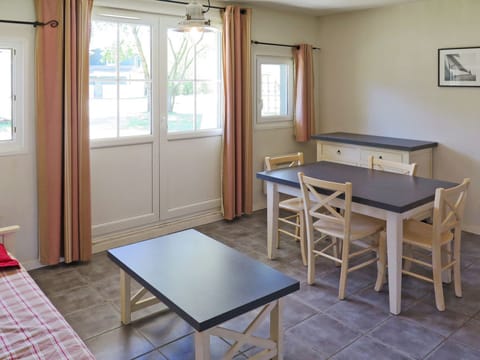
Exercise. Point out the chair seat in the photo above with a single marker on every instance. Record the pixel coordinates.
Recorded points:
(360, 227)
(420, 234)
(293, 204)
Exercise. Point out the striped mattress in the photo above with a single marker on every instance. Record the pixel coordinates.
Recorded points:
(30, 326)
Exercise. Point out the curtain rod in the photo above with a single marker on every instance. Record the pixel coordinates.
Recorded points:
(274, 44)
(186, 3)
(52, 23)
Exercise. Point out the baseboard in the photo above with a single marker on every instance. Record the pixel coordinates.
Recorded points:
(474, 229)
(106, 242)
(32, 264)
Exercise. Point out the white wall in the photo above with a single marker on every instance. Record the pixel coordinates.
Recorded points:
(283, 28)
(378, 76)
(18, 194)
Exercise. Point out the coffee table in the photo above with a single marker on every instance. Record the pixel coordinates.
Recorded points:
(206, 283)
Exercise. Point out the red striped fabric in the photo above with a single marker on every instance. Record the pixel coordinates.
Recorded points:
(30, 326)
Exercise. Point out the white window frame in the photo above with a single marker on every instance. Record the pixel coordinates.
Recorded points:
(273, 121)
(133, 17)
(17, 144)
(196, 133)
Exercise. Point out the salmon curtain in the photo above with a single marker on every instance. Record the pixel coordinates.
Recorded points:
(237, 179)
(304, 92)
(62, 134)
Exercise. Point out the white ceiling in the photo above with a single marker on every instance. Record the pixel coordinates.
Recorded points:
(320, 7)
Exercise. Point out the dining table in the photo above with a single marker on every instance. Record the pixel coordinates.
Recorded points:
(384, 195)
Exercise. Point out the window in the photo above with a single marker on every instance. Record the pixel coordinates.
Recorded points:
(274, 92)
(193, 82)
(120, 79)
(11, 97)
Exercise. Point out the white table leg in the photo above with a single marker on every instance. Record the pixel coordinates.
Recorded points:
(394, 253)
(125, 304)
(272, 218)
(202, 345)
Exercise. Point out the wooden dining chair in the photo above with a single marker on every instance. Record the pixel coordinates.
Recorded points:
(392, 166)
(322, 215)
(441, 239)
(293, 224)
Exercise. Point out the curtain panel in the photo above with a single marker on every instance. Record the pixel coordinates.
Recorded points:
(237, 170)
(304, 93)
(63, 163)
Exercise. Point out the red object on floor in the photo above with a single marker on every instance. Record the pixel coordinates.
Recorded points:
(6, 261)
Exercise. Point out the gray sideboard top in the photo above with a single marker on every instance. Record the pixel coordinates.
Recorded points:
(375, 141)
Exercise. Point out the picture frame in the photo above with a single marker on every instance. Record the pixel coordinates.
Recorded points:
(459, 67)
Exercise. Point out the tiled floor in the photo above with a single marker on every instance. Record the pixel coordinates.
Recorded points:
(317, 325)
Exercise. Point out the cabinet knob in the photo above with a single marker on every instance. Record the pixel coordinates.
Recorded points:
(380, 157)
(339, 152)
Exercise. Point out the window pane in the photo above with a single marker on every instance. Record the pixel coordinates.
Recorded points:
(194, 78)
(6, 106)
(180, 104)
(207, 105)
(208, 57)
(103, 50)
(103, 109)
(180, 56)
(274, 89)
(134, 51)
(120, 79)
(135, 108)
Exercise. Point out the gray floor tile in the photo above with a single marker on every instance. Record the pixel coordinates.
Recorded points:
(357, 315)
(76, 299)
(454, 350)
(121, 343)
(163, 328)
(427, 315)
(469, 334)
(408, 337)
(367, 348)
(323, 334)
(184, 348)
(94, 320)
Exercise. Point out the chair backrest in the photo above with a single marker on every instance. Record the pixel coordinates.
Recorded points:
(318, 196)
(391, 166)
(283, 161)
(448, 209)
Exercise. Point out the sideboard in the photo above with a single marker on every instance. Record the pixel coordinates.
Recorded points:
(355, 149)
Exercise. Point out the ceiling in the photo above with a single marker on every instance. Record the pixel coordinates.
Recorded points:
(319, 7)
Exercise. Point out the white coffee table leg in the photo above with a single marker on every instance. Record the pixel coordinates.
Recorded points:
(202, 345)
(125, 305)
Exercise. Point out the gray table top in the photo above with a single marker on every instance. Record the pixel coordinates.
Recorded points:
(376, 141)
(380, 189)
(204, 281)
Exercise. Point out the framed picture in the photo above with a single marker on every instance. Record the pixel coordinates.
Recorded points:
(459, 67)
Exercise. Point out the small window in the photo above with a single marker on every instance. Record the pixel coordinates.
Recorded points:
(11, 97)
(194, 86)
(120, 79)
(274, 78)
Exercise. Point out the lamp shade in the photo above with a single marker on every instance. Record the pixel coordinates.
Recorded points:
(194, 19)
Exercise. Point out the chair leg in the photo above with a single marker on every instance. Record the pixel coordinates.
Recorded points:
(382, 261)
(457, 278)
(437, 278)
(298, 228)
(310, 258)
(408, 251)
(344, 269)
(302, 238)
(337, 250)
